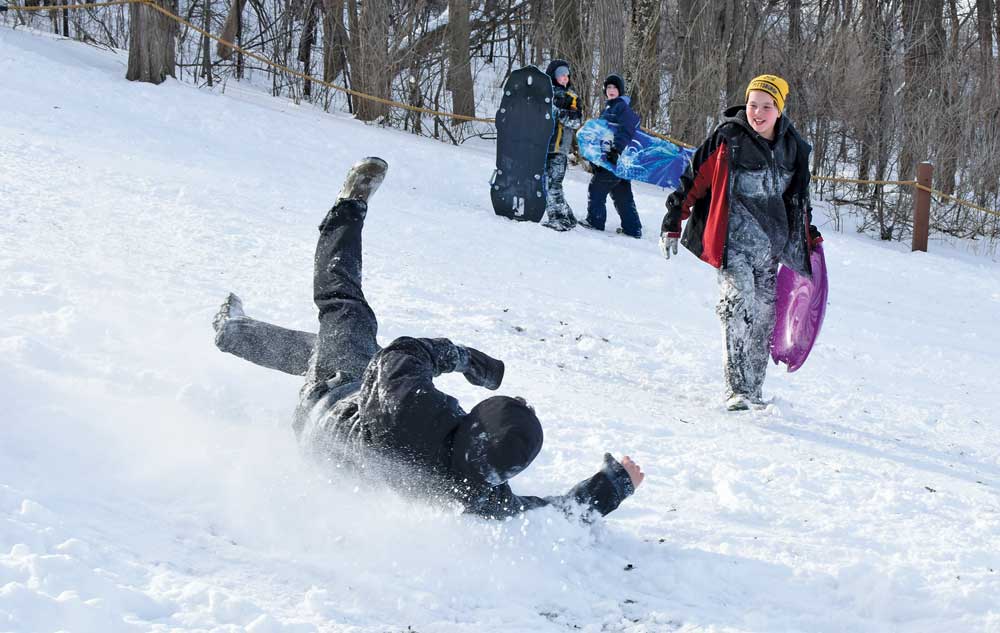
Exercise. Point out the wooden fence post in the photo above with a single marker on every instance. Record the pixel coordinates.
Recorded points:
(922, 207)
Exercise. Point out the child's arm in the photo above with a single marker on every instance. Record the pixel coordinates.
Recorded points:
(696, 182)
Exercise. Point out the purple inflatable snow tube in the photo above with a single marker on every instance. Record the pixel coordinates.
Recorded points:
(800, 305)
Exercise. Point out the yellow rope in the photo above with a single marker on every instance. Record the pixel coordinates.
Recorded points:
(865, 182)
(460, 117)
(668, 138)
(957, 201)
(263, 60)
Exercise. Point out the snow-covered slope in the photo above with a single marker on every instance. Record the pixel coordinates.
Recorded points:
(151, 483)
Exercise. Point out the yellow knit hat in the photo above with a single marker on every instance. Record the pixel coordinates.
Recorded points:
(772, 85)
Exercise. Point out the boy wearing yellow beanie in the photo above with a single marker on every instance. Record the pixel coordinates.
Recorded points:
(746, 192)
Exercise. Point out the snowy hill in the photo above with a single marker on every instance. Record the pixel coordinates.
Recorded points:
(150, 483)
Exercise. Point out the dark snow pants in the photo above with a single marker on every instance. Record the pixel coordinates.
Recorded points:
(602, 183)
(746, 306)
(560, 215)
(266, 344)
(347, 324)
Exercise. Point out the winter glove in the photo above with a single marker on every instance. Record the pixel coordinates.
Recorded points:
(571, 119)
(815, 237)
(668, 244)
(612, 155)
(482, 370)
(670, 229)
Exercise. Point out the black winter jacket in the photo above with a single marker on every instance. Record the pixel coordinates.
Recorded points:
(398, 427)
(735, 164)
(566, 104)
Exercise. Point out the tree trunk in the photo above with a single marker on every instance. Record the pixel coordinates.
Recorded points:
(151, 43)
(306, 41)
(368, 55)
(611, 20)
(794, 56)
(643, 55)
(460, 84)
(231, 29)
(984, 27)
(569, 46)
(541, 30)
(732, 36)
(334, 39)
(694, 91)
(206, 44)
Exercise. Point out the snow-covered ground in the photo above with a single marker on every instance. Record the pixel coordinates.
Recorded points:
(151, 483)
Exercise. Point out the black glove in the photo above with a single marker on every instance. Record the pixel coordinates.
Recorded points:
(612, 155)
(815, 237)
(572, 115)
(483, 370)
(563, 101)
(672, 219)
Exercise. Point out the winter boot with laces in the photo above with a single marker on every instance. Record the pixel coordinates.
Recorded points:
(363, 179)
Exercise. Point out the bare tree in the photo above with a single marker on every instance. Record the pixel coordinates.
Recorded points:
(231, 29)
(368, 55)
(569, 45)
(643, 57)
(610, 21)
(151, 53)
(463, 97)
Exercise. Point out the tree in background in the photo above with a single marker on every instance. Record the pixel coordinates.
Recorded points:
(152, 37)
(877, 85)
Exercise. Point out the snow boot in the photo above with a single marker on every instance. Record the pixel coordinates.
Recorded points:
(231, 308)
(737, 402)
(363, 179)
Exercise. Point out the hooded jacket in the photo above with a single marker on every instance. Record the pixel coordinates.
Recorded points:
(397, 427)
(567, 110)
(624, 121)
(735, 165)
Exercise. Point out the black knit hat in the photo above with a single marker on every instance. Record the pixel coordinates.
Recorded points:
(616, 81)
(500, 437)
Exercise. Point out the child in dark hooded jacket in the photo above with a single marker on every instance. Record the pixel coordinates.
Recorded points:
(377, 411)
(624, 121)
(566, 105)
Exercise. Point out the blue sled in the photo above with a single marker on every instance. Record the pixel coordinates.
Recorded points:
(646, 159)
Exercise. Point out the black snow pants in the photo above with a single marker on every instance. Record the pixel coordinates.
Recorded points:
(602, 183)
(347, 325)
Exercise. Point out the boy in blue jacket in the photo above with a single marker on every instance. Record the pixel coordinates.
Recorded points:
(624, 121)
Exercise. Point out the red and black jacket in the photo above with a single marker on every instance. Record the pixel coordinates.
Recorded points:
(707, 186)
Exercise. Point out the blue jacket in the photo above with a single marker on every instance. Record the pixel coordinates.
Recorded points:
(623, 119)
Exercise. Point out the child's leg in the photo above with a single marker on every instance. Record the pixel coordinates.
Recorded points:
(736, 285)
(260, 342)
(624, 201)
(560, 215)
(347, 324)
(601, 184)
(762, 329)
